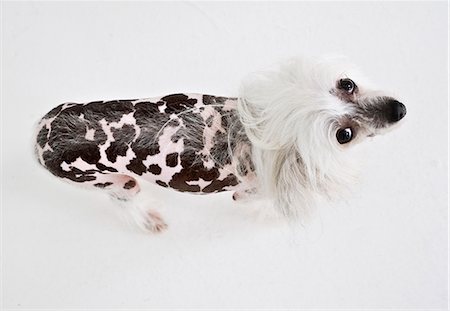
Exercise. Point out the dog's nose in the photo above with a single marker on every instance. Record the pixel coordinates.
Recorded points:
(396, 110)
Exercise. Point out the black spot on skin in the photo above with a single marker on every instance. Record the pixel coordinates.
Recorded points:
(89, 153)
(52, 113)
(161, 183)
(42, 136)
(209, 121)
(145, 111)
(100, 136)
(215, 100)
(129, 184)
(219, 185)
(103, 185)
(102, 167)
(172, 159)
(111, 111)
(75, 111)
(192, 171)
(76, 170)
(155, 169)
(136, 166)
(177, 102)
(176, 137)
(178, 183)
(122, 140)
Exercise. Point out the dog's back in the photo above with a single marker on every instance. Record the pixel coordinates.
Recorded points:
(179, 141)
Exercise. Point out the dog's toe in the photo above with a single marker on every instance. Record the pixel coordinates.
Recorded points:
(154, 222)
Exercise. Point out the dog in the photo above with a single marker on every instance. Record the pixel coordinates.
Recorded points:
(284, 138)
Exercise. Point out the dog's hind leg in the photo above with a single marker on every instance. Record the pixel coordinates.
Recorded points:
(124, 189)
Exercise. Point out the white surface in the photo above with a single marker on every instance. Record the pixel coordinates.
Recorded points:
(65, 247)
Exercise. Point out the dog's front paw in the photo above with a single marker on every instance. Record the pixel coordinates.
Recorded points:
(243, 195)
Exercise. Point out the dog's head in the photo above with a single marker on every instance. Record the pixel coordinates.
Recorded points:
(303, 115)
(355, 108)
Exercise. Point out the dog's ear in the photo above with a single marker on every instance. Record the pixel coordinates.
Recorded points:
(290, 185)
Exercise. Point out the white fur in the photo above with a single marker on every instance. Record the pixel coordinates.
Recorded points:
(291, 119)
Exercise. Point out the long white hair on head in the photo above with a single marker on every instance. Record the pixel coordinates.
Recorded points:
(291, 119)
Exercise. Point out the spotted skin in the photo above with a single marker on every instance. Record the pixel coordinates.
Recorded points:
(187, 142)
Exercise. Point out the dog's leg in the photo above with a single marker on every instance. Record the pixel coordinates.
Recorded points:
(123, 189)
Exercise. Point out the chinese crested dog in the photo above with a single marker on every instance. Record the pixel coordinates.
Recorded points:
(284, 139)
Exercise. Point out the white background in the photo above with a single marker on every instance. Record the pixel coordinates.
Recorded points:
(386, 246)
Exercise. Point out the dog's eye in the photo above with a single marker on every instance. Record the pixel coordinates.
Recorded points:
(347, 85)
(344, 135)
